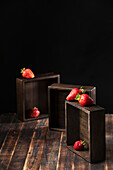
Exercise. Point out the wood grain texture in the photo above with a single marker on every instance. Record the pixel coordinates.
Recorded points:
(51, 150)
(65, 160)
(5, 124)
(30, 145)
(72, 129)
(8, 148)
(19, 156)
(36, 147)
(70, 87)
(97, 133)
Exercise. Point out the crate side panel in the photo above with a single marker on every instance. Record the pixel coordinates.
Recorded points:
(57, 108)
(97, 136)
(84, 127)
(20, 100)
(73, 124)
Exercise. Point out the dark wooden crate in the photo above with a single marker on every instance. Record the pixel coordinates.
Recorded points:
(88, 124)
(57, 94)
(34, 93)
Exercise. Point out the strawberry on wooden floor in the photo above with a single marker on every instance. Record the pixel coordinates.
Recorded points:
(79, 145)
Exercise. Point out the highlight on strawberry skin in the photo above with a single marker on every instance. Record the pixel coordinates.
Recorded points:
(74, 92)
(27, 73)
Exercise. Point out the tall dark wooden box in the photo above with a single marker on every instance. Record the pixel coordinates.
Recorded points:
(57, 94)
(88, 124)
(34, 93)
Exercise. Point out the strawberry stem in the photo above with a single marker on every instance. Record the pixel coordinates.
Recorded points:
(83, 91)
(83, 143)
(21, 71)
(35, 108)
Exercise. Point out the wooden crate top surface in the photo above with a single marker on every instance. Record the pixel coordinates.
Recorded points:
(86, 109)
(69, 87)
(40, 77)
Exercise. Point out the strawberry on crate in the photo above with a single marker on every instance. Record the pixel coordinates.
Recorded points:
(34, 112)
(27, 73)
(74, 92)
(84, 99)
(79, 145)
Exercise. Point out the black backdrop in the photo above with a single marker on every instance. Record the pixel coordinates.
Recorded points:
(73, 38)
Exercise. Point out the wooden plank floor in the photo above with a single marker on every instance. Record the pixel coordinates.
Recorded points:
(31, 146)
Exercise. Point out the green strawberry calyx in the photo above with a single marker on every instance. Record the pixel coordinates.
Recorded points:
(21, 71)
(83, 143)
(83, 91)
(77, 97)
(35, 108)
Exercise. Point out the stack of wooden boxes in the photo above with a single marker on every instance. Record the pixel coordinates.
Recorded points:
(78, 122)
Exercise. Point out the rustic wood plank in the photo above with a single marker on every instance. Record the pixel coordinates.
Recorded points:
(80, 164)
(5, 124)
(10, 144)
(64, 153)
(35, 152)
(22, 146)
(33, 146)
(50, 152)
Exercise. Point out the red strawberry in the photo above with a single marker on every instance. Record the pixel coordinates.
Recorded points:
(84, 99)
(34, 112)
(73, 94)
(27, 73)
(79, 145)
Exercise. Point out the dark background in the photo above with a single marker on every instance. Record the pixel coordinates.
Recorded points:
(73, 38)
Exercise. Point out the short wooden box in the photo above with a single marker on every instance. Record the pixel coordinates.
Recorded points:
(34, 93)
(88, 124)
(57, 94)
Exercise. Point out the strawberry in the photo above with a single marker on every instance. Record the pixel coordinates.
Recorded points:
(34, 112)
(73, 93)
(27, 73)
(84, 99)
(79, 145)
